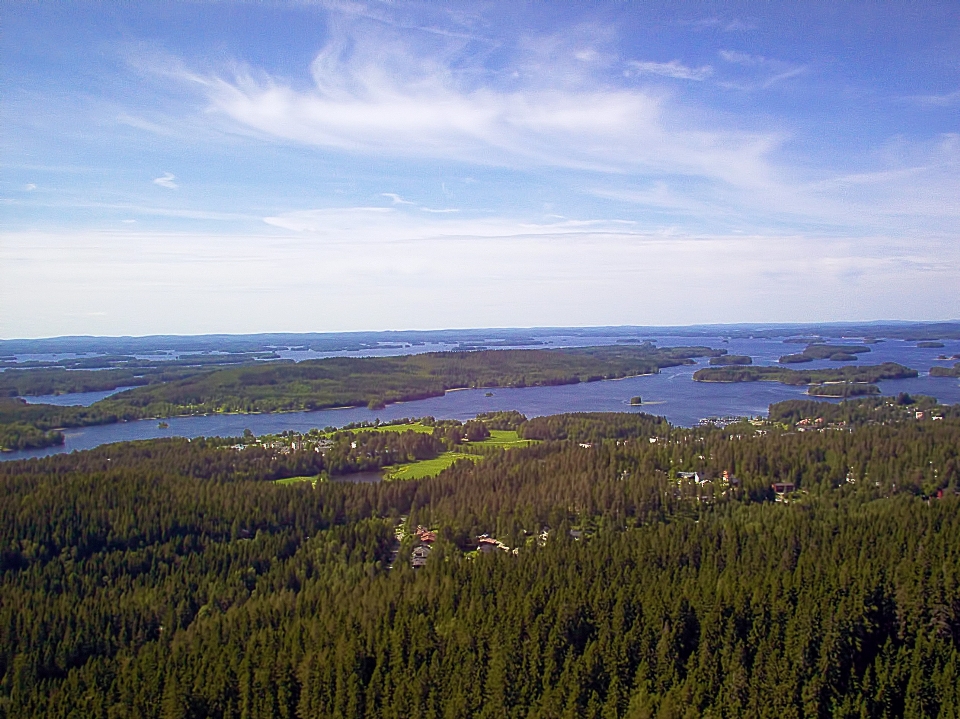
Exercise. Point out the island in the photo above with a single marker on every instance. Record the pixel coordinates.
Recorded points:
(843, 389)
(865, 374)
(726, 360)
(946, 371)
(818, 351)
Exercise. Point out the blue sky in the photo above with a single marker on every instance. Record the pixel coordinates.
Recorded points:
(241, 167)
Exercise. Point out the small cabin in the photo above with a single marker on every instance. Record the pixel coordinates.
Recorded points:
(729, 480)
(418, 557)
(783, 487)
(485, 544)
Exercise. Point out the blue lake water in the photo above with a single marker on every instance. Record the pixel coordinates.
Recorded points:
(672, 394)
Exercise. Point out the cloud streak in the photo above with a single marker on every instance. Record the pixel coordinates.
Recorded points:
(674, 69)
(167, 180)
(382, 98)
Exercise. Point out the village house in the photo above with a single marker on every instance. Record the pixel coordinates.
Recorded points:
(425, 535)
(729, 480)
(783, 488)
(486, 545)
(418, 557)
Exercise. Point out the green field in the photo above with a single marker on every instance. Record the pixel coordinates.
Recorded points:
(499, 438)
(294, 480)
(427, 467)
(505, 439)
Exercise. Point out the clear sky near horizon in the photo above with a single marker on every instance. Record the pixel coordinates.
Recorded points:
(197, 167)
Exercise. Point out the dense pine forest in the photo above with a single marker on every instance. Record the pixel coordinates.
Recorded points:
(806, 566)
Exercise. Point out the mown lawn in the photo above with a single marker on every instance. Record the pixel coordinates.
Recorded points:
(427, 467)
(505, 438)
(292, 480)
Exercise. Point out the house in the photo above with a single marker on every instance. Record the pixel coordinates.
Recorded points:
(418, 557)
(486, 545)
(782, 488)
(425, 535)
(729, 480)
(692, 476)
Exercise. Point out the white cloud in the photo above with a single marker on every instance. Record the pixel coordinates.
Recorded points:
(387, 224)
(946, 100)
(741, 58)
(674, 69)
(141, 124)
(558, 275)
(397, 200)
(767, 71)
(166, 181)
(30, 187)
(378, 96)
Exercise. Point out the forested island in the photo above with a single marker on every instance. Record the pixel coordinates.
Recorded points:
(327, 383)
(819, 351)
(857, 374)
(843, 389)
(946, 371)
(724, 360)
(618, 567)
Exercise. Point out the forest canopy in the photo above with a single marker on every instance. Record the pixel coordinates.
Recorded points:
(632, 569)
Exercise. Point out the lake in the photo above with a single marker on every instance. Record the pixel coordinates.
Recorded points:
(672, 394)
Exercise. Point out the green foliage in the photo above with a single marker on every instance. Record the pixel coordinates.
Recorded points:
(817, 351)
(862, 411)
(509, 420)
(375, 381)
(724, 360)
(868, 374)
(843, 389)
(20, 435)
(319, 384)
(946, 371)
(169, 579)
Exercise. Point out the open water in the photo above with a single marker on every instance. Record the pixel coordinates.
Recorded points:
(672, 394)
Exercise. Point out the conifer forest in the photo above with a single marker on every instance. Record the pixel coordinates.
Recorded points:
(807, 565)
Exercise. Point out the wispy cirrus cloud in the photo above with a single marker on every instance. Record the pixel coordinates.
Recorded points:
(387, 224)
(770, 71)
(948, 99)
(674, 69)
(166, 180)
(397, 200)
(383, 98)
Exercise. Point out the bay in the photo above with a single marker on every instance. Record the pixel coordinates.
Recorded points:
(672, 393)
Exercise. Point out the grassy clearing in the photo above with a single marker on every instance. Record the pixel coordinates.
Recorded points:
(426, 467)
(292, 480)
(499, 438)
(504, 438)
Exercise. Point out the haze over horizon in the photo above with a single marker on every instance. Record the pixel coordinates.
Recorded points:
(175, 168)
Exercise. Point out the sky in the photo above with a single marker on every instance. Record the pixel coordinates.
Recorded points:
(197, 167)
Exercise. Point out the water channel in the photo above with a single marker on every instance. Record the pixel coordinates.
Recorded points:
(671, 393)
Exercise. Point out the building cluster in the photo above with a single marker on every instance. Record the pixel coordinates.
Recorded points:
(425, 538)
(702, 487)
